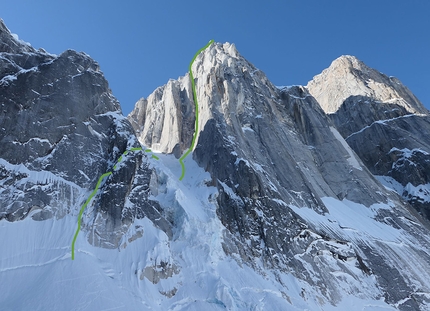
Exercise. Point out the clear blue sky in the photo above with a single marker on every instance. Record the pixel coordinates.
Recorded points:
(141, 44)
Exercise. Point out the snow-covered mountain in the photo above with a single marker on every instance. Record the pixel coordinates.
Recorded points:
(275, 212)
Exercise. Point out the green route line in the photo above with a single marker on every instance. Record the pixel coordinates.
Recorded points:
(95, 191)
(153, 155)
(82, 211)
(193, 142)
(196, 126)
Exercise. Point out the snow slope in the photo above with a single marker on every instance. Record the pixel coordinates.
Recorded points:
(146, 271)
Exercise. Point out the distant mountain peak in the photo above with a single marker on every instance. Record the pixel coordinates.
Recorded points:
(348, 76)
(348, 59)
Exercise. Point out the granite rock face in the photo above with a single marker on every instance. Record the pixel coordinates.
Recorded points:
(165, 120)
(61, 129)
(274, 153)
(383, 122)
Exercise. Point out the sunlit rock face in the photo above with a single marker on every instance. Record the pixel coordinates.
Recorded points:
(347, 77)
(165, 120)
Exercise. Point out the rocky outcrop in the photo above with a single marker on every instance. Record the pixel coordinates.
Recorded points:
(383, 122)
(165, 120)
(61, 129)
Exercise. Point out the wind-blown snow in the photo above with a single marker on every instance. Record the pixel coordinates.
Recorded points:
(16, 37)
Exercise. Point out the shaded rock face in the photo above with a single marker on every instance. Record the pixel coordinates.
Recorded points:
(61, 129)
(358, 112)
(273, 154)
(386, 126)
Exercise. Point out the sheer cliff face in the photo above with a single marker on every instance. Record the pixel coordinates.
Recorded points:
(165, 120)
(272, 154)
(383, 122)
(61, 129)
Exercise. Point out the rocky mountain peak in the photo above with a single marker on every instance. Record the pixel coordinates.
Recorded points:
(219, 54)
(349, 62)
(347, 77)
(165, 120)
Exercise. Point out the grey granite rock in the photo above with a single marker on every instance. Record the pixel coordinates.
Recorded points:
(383, 122)
(61, 129)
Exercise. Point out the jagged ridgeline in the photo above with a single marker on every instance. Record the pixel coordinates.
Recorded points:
(306, 197)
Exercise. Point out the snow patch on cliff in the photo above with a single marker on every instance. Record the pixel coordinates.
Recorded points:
(352, 160)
